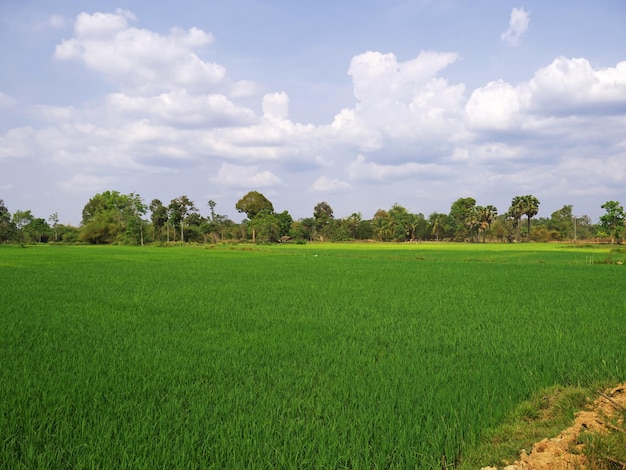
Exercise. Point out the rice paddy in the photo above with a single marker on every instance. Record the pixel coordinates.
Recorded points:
(314, 356)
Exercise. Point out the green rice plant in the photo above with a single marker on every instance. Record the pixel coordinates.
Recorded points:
(328, 356)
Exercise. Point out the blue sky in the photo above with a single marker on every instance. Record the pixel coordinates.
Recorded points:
(360, 104)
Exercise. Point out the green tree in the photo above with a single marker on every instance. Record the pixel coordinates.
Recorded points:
(303, 229)
(20, 220)
(437, 224)
(266, 224)
(399, 220)
(382, 225)
(133, 215)
(353, 223)
(531, 208)
(562, 221)
(6, 226)
(103, 218)
(37, 230)
(252, 204)
(54, 219)
(613, 220)
(462, 218)
(158, 217)
(485, 216)
(515, 213)
(323, 215)
(180, 208)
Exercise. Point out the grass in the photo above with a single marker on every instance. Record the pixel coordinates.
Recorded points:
(326, 356)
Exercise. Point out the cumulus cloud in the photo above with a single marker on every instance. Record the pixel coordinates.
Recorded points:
(362, 170)
(138, 59)
(244, 89)
(276, 106)
(562, 95)
(239, 176)
(400, 100)
(518, 25)
(408, 127)
(496, 106)
(567, 85)
(326, 184)
(178, 107)
(83, 182)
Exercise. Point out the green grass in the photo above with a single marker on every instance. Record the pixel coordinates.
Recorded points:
(314, 356)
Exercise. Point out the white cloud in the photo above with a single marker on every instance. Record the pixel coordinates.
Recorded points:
(400, 102)
(178, 107)
(362, 170)
(244, 89)
(138, 59)
(568, 84)
(82, 182)
(276, 106)
(496, 106)
(518, 25)
(238, 176)
(326, 184)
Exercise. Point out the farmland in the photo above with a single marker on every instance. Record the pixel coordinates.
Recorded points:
(318, 356)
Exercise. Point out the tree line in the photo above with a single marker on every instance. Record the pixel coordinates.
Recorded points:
(112, 217)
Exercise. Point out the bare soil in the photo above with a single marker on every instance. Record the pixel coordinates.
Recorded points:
(563, 451)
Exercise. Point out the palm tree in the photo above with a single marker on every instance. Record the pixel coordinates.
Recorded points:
(531, 207)
(516, 211)
(486, 215)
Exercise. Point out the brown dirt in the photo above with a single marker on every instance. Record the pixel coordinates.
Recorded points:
(556, 453)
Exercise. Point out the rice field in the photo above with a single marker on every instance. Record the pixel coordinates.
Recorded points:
(314, 356)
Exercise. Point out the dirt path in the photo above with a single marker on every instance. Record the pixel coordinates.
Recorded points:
(554, 454)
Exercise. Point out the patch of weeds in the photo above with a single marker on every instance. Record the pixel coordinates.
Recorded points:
(544, 415)
(607, 450)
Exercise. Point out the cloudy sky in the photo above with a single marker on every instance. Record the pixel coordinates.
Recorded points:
(358, 103)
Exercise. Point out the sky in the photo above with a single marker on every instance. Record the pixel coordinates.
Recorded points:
(362, 104)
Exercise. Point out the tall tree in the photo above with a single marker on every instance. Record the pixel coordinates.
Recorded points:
(437, 223)
(134, 212)
(6, 227)
(323, 215)
(158, 217)
(20, 220)
(531, 208)
(516, 211)
(180, 208)
(37, 230)
(486, 215)
(382, 225)
(461, 219)
(54, 218)
(353, 223)
(613, 219)
(400, 222)
(252, 204)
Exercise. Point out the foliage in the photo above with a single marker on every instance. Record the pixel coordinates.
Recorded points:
(613, 220)
(253, 203)
(462, 219)
(112, 217)
(179, 209)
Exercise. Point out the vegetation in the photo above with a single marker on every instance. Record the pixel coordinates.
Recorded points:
(284, 356)
(114, 218)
